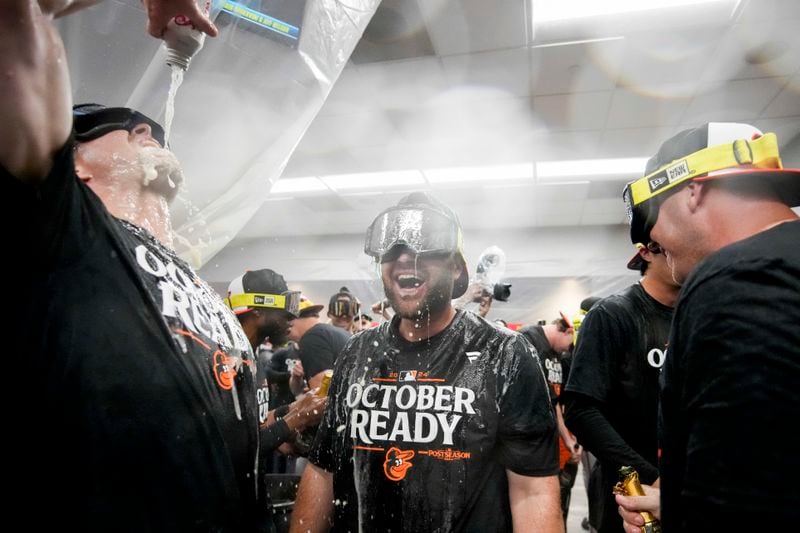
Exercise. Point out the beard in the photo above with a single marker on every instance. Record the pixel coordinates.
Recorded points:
(162, 171)
(436, 300)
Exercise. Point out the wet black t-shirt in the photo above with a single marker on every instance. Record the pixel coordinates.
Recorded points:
(319, 347)
(552, 364)
(140, 403)
(616, 363)
(731, 391)
(418, 436)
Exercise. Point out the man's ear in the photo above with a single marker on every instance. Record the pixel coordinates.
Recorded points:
(81, 170)
(697, 195)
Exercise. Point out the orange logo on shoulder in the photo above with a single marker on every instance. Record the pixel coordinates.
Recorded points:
(397, 463)
(224, 370)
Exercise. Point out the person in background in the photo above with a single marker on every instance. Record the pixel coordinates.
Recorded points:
(265, 308)
(611, 397)
(587, 459)
(318, 344)
(553, 343)
(366, 321)
(437, 420)
(344, 311)
(717, 201)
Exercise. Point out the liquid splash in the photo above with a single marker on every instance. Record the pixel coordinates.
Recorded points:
(169, 114)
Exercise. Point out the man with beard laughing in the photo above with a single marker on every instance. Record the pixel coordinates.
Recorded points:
(437, 420)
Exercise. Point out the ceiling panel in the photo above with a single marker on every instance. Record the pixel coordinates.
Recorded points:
(581, 67)
(756, 49)
(488, 74)
(577, 111)
(400, 84)
(462, 26)
(735, 100)
(667, 64)
(633, 142)
(632, 109)
(787, 102)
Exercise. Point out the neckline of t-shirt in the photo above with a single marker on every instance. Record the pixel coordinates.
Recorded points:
(653, 301)
(149, 237)
(405, 346)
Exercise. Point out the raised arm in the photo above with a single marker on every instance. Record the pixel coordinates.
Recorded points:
(35, 94)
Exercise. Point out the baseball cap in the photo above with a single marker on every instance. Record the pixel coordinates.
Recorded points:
(425, 225)
(261, 288)
(711, 151)
(309, 308)
(91, 121)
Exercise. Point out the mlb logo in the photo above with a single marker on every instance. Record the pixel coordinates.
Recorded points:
(407, 375)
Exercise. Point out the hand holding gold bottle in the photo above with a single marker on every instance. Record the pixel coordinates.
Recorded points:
(629, 485)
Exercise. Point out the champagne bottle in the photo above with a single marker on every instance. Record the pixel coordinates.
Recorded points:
(629, 485)
(326, 382)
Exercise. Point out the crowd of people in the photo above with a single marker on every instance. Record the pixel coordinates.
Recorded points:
(155, 404)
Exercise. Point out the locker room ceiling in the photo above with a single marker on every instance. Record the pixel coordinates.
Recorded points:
(435, 84)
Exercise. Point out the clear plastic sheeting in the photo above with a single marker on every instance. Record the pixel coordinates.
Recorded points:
(245, 103)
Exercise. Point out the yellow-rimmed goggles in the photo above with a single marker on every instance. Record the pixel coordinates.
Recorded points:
(344, 307)
(288, 301)
(761, 153)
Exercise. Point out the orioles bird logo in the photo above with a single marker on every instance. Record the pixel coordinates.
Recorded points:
(397, 463)
(224, 370)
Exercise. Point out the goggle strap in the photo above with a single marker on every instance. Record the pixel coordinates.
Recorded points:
(758, 153)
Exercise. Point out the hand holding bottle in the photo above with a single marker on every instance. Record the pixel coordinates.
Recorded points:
(160, 12)
(639, 505)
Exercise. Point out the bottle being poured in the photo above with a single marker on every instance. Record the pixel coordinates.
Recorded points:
(182, 41)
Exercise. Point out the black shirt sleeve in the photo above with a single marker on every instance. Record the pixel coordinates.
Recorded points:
(317, 351)
(583, 417)
(527, 436)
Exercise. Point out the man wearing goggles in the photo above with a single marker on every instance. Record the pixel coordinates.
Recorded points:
(436, 419)
(136, 362)
(343, 310)
(717, 200)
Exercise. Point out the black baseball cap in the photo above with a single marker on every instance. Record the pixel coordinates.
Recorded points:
(262, 288)
(712, 151)
(91, 121)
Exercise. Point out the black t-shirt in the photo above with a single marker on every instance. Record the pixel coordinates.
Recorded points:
(280, 391)
(616, 365)
(319, 347)
(418, 436)
(552, 362)
(731, 390)
(140, 396)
